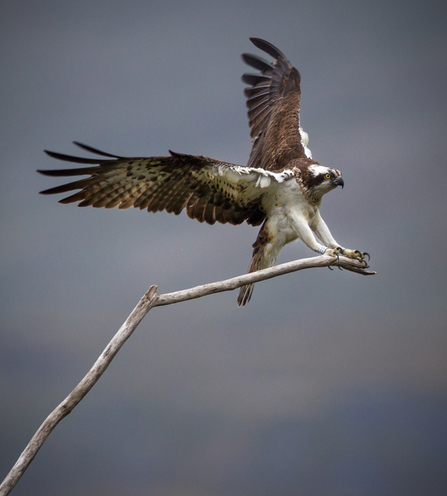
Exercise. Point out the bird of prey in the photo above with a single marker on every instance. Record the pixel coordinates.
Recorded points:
(280, 189)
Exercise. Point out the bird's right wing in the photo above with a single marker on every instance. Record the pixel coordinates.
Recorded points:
(208, 189)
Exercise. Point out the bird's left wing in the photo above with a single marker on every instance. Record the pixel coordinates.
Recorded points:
(273, 101)
(208, 189)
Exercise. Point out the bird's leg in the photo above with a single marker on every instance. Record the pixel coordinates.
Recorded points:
(323, 233)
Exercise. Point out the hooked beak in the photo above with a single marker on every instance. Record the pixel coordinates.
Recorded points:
(339, 182)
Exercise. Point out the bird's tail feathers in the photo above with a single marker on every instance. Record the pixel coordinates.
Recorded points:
(257, 262)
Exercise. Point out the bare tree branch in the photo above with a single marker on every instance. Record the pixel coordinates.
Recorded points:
(149, 300)
(261, 275)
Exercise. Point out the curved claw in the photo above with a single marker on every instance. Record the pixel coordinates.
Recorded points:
(363, 255)
(333, 252)
(329, 267)
(356, 254)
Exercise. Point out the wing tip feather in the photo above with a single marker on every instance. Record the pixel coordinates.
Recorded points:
(267, 47)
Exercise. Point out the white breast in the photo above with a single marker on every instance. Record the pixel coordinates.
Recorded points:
(283, 196)
(286, 208)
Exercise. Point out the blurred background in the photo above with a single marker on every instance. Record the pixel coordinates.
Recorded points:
(327, 383)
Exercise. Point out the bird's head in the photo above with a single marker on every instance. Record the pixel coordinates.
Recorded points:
(320, 180)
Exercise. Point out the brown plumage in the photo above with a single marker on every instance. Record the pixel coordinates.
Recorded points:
(281, 188)
(158, 183)
(256, 262)
(273, 101)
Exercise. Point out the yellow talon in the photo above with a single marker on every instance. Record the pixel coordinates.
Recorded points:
(355, 254)
(333, 252)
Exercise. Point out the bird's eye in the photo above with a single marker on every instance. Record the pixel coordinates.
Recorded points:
(328, 176)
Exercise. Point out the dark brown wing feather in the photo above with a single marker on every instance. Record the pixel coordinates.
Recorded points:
(156, 183)
(273, 101)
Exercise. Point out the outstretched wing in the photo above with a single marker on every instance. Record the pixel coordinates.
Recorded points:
(273, 101)
(208, 189)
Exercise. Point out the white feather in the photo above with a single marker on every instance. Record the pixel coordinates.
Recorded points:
(305, 142)
(263, 182)
(318, 169)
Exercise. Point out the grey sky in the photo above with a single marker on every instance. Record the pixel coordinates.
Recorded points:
(327, 382)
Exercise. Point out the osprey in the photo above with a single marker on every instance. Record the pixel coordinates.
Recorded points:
(280, 189)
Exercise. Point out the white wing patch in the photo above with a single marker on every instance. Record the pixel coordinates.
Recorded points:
(240, 175)
(305, 142)
(263, 182)
(242, 183)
